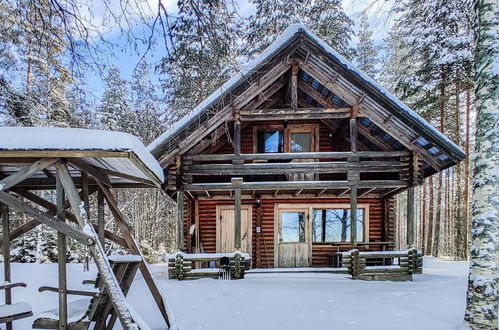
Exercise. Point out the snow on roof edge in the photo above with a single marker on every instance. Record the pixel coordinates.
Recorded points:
(57, 138)
(389, 96)
(281, 40)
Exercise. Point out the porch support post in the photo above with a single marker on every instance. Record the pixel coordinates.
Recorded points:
(353, 180)
(237, 211)
(180, 205)
(411, 222)
(410, 217)
(180, 219)
(294, 86)
(61, 257)
(4, 210)
(353, 215)
(237, 133)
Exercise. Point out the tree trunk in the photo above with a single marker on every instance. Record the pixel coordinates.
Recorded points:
(483, 285)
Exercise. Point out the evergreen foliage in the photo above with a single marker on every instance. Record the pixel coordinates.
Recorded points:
(326, 18)
(366, 56)
(204, 55)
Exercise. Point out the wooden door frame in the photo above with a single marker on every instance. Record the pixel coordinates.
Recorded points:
(286, 207)
(219, 207)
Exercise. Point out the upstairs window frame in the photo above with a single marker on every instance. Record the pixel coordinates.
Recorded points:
(287, 132)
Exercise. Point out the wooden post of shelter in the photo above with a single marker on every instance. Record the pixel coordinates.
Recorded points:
(100, 217)
(4, 210)
(237, 211)
(61, 257)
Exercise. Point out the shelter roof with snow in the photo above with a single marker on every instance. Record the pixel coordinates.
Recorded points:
(121, 158)
(296, 158)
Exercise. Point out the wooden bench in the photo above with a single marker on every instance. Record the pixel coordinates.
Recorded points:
(82, 312)
(16, 311)
(409, 262)
(227, 265)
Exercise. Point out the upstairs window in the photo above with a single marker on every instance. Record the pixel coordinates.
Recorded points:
(301, 141)
(291, 138)
(270, 141)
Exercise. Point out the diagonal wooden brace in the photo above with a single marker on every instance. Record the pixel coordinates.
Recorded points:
(44, 218)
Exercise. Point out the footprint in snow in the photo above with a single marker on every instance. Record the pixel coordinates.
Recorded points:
(227, 292)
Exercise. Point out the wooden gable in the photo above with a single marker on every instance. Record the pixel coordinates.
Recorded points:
(300, 78)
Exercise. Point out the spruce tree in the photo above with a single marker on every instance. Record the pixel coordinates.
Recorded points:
(366, 56)
(146, 104)
(328, 20)
(271, 19)
(115, 113)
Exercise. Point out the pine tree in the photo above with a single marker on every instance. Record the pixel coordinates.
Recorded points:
(35, 77)
(114, 112)
(203, 54)
(366, 56)
(483, 285)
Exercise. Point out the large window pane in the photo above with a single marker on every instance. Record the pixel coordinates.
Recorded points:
(270, 141)
(293, 226)
(300, 142)
(333, 225)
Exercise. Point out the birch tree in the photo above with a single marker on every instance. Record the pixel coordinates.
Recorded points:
(483, 285)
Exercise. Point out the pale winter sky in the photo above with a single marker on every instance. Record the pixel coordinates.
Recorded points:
(377, 10)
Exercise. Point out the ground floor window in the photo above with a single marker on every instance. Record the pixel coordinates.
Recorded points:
(333, 224)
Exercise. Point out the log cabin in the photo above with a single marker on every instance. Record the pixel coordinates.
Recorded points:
(297, 158)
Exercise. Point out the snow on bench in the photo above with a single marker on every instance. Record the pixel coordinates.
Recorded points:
(203, 256)
(121, 258)
(14, 309)
(77, 311)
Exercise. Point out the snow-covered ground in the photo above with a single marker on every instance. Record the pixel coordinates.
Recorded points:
(434, 300)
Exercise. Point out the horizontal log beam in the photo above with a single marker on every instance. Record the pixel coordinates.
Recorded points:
(292, 185)
(294, 168)
(289, 113)
(298, 155)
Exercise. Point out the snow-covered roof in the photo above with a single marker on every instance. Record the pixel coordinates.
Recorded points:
(76, 139)
(282, 40)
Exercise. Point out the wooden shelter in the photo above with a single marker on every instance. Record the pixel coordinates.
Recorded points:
(297, 158)
(76, 163)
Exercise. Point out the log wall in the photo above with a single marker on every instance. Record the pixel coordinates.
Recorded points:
(263, 254)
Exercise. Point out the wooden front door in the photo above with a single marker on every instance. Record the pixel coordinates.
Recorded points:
(292, 237)
(225, 228)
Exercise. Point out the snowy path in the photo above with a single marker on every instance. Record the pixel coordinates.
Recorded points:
(435, 300)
